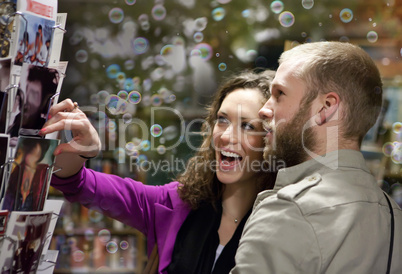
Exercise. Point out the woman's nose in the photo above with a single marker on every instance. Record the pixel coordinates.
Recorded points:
(230, 134)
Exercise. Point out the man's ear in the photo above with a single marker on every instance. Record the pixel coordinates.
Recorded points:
(330, 106)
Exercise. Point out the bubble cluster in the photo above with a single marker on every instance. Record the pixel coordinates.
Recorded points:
(156, 130)
(346, 15)
(116, 15)
(286, 19)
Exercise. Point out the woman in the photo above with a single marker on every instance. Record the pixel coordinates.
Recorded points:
(195, 222)
(25, 191)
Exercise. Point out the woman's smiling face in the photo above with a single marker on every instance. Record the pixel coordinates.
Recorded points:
(238, 137)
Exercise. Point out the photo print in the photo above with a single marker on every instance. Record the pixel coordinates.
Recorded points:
(34, 40)
(36, 88)
(29, 179)
(26, 234)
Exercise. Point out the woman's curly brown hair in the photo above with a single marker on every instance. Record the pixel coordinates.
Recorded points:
(199, 184)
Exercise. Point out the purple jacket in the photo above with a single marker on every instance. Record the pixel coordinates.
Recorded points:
(156, 211)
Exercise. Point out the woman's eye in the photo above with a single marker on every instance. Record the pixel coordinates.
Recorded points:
(248, 126)
(222, 120)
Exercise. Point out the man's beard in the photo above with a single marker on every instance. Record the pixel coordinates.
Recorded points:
(290, 140)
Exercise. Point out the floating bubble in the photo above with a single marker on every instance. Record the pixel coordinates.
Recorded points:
(387, 148)
(127, 118)
(170, 132)
(372, 36)
(78, 256)
(156, 130)
(167, 50)
(112, 247)
(94, 216)
(346, 15)
(140, 45)
(129, 64)
(142, 158)
(103, 96)
(123, 94)
(195, 52)
(205, 49)
(89, 234)
(112, 126)
(397, 127)
(307, 4)
(104, 235)
(161, 149)
(124, 245)
(286, 19)
(112, 70)
(129, 84)
(119, 154)
(134, 97)
(246, 13)
(114, 104)
(120, 77)
(218, 14)
(130, 2)
(145, 145)
(81, 56)
(396, 155)
(277, 7)
(116, 15)
(200, 23)
(158, 12)
(198, 37)
(156, 100)
(222, 66)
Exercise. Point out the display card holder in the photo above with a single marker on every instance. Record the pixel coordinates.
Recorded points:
(8, 267)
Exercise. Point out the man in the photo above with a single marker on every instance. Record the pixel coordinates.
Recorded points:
(41, 84)
(326, 213)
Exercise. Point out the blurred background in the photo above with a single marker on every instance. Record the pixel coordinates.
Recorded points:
(145, 70)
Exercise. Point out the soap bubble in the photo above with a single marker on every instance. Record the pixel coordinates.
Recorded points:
(116, 15)
(286, 19)
(346, 15)
(277, 7)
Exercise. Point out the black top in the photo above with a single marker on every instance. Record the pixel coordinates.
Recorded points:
(197, 240)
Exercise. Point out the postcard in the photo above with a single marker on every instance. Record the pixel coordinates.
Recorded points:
(29, 179)
(37, 86)
(25, 236)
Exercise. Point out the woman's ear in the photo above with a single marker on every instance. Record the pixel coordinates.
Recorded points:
(329, 109)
